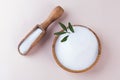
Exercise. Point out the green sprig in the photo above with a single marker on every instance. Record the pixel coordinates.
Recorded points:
(63, 26)
(65, 38)
(70, 27)
(59, 33)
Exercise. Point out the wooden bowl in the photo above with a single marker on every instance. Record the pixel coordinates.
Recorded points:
(76, 71)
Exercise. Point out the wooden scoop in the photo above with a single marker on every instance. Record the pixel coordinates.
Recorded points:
(34, 36)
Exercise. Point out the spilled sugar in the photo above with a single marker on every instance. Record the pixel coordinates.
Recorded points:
(79, 51)
(26, 44)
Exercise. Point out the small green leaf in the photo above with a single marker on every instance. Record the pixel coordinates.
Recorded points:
(70, 27)
(63, 26)
(59, 33)
(65, 38)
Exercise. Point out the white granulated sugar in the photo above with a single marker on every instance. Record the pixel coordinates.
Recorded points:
(26, 44)
(79, 51)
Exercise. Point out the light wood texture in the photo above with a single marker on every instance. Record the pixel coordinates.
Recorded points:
(55, 14)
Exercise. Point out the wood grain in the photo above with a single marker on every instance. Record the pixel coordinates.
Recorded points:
(55, 14)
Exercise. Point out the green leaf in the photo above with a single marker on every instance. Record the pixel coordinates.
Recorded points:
(59, 33)
(65, 38)
(70, 27)
(63, 26)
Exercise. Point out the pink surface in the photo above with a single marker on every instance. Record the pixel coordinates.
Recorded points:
(18, 16)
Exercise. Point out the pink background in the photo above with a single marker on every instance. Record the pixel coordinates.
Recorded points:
(17, 17)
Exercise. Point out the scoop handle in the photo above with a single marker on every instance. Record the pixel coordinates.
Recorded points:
(55, 14)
